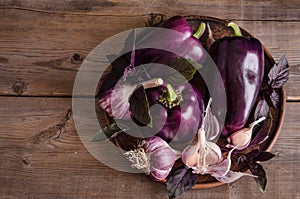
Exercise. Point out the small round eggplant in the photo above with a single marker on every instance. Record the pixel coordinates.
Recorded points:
(182, 111)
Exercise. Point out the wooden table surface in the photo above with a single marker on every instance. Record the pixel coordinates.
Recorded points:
(41, 155)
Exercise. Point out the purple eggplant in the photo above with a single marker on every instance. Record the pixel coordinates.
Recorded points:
(240, 61)
(182, 112)
(174, 34)
(186, 43)
(182, 106)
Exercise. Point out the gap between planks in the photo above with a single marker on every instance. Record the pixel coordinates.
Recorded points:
(127, 16)
(288, 99)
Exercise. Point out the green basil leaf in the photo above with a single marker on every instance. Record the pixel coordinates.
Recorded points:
(186, 67)
(108, 132)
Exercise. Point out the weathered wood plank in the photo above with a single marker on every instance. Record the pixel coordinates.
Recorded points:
(36, 49)
(243, 10)
(41, 156)
(283, 171)
(53, 163)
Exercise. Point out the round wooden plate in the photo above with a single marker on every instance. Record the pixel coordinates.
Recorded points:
(219, 29)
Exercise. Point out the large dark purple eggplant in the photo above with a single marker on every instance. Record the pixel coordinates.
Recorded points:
(240, 61)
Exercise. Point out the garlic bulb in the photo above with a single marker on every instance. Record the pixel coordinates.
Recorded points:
(115, 100)
(154, 157)
(202, 154)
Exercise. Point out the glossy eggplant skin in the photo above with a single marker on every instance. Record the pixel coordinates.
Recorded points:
(181, 122)
(240, 61)
(180, 39)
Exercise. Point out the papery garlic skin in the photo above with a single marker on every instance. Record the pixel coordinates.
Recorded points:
(242, 138)
(115, 101)
(154, 157)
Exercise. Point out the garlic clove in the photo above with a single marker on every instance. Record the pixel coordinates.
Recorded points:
(214, 153)
(222, 168)
(241, 138)
(190, 156)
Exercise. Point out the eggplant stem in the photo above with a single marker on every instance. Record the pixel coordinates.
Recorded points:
(236, 29)
(200, 31)
(171, 94)
(170, 97)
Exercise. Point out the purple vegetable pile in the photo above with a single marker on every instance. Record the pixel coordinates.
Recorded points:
(177, 132)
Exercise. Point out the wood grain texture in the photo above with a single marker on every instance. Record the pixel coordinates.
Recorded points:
(241, 10)
(283, 171)
(42, 156)
(37, 49)
(42, 45)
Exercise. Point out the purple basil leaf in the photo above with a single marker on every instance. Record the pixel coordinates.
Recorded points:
(139, 106)
(262, 109)
(118, 62)
(179, 181)
(241, 159)
(126, 141)
(274, 99)
(258, 170)
(264, 156)
(279, 74)
(263, 132)
(110, 80)
(253, 154)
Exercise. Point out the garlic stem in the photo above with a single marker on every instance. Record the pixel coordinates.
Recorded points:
(210, 40)
(201, 148)
(256, 122)
(132, 58)
(206, 110)
(152, 83)
(208, 105)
